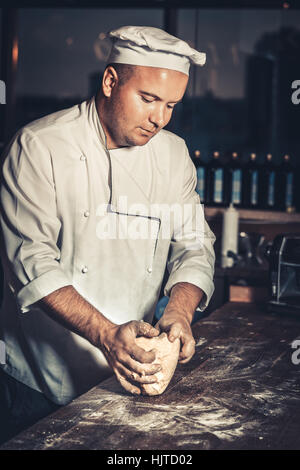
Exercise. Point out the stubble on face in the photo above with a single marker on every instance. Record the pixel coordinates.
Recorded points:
(116, 123)
(127, 119)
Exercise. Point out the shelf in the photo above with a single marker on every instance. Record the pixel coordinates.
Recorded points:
(255, 216)
(292, 265)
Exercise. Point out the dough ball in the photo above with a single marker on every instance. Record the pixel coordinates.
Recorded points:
(167, 356)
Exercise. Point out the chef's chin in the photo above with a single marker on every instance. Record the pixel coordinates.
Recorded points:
(138, 141)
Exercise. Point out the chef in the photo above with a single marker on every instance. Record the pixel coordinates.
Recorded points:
(96, 201)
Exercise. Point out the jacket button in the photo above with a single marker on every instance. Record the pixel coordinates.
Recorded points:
(83, 157)
(149, 270)
(86, 214)
(84, 270)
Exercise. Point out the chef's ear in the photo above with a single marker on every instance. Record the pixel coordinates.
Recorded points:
(110, 79)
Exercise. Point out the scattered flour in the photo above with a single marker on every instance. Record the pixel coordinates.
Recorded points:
(201, 341)
(198, 418)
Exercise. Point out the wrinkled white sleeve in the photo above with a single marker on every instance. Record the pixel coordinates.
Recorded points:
(29, 223)
(191, 257)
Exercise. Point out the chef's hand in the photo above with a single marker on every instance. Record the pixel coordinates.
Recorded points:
(176, 325)
(131, 364)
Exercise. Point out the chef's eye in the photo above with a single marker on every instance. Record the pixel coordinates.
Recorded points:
(146, 100)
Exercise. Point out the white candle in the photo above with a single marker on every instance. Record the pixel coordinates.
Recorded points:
(230, 231)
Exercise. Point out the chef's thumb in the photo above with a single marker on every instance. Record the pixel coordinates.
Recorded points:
(145, 329)
(174, 332)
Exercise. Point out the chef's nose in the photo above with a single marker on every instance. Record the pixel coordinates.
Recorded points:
(157, 116)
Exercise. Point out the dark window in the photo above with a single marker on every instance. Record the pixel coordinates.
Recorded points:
(241, 99)
(60, 58)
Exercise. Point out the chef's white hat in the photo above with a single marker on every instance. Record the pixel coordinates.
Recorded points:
(152, 47)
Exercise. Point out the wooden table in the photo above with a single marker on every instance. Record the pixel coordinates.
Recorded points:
(240, 391)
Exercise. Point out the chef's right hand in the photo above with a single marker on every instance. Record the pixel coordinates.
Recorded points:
(131, 364)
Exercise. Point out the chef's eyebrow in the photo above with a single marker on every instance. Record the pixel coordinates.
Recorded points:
(157, 97)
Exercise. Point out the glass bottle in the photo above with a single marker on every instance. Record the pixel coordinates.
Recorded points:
(215, 181)
(234, 181)
(201, 176)
(251, 183)
(285, 185)
(267, 184)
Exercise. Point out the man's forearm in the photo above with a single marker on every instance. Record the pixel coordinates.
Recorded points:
(185, 298)
(71, 310)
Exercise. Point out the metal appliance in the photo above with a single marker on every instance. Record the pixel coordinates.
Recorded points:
(284, 273)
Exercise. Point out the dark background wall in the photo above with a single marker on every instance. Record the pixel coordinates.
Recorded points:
(240, 101)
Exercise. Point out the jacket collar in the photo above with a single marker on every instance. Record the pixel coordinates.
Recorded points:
(94, 121)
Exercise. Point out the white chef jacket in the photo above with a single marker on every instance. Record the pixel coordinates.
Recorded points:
(57, 178)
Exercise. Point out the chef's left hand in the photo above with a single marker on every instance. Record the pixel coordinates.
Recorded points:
(176, 325)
